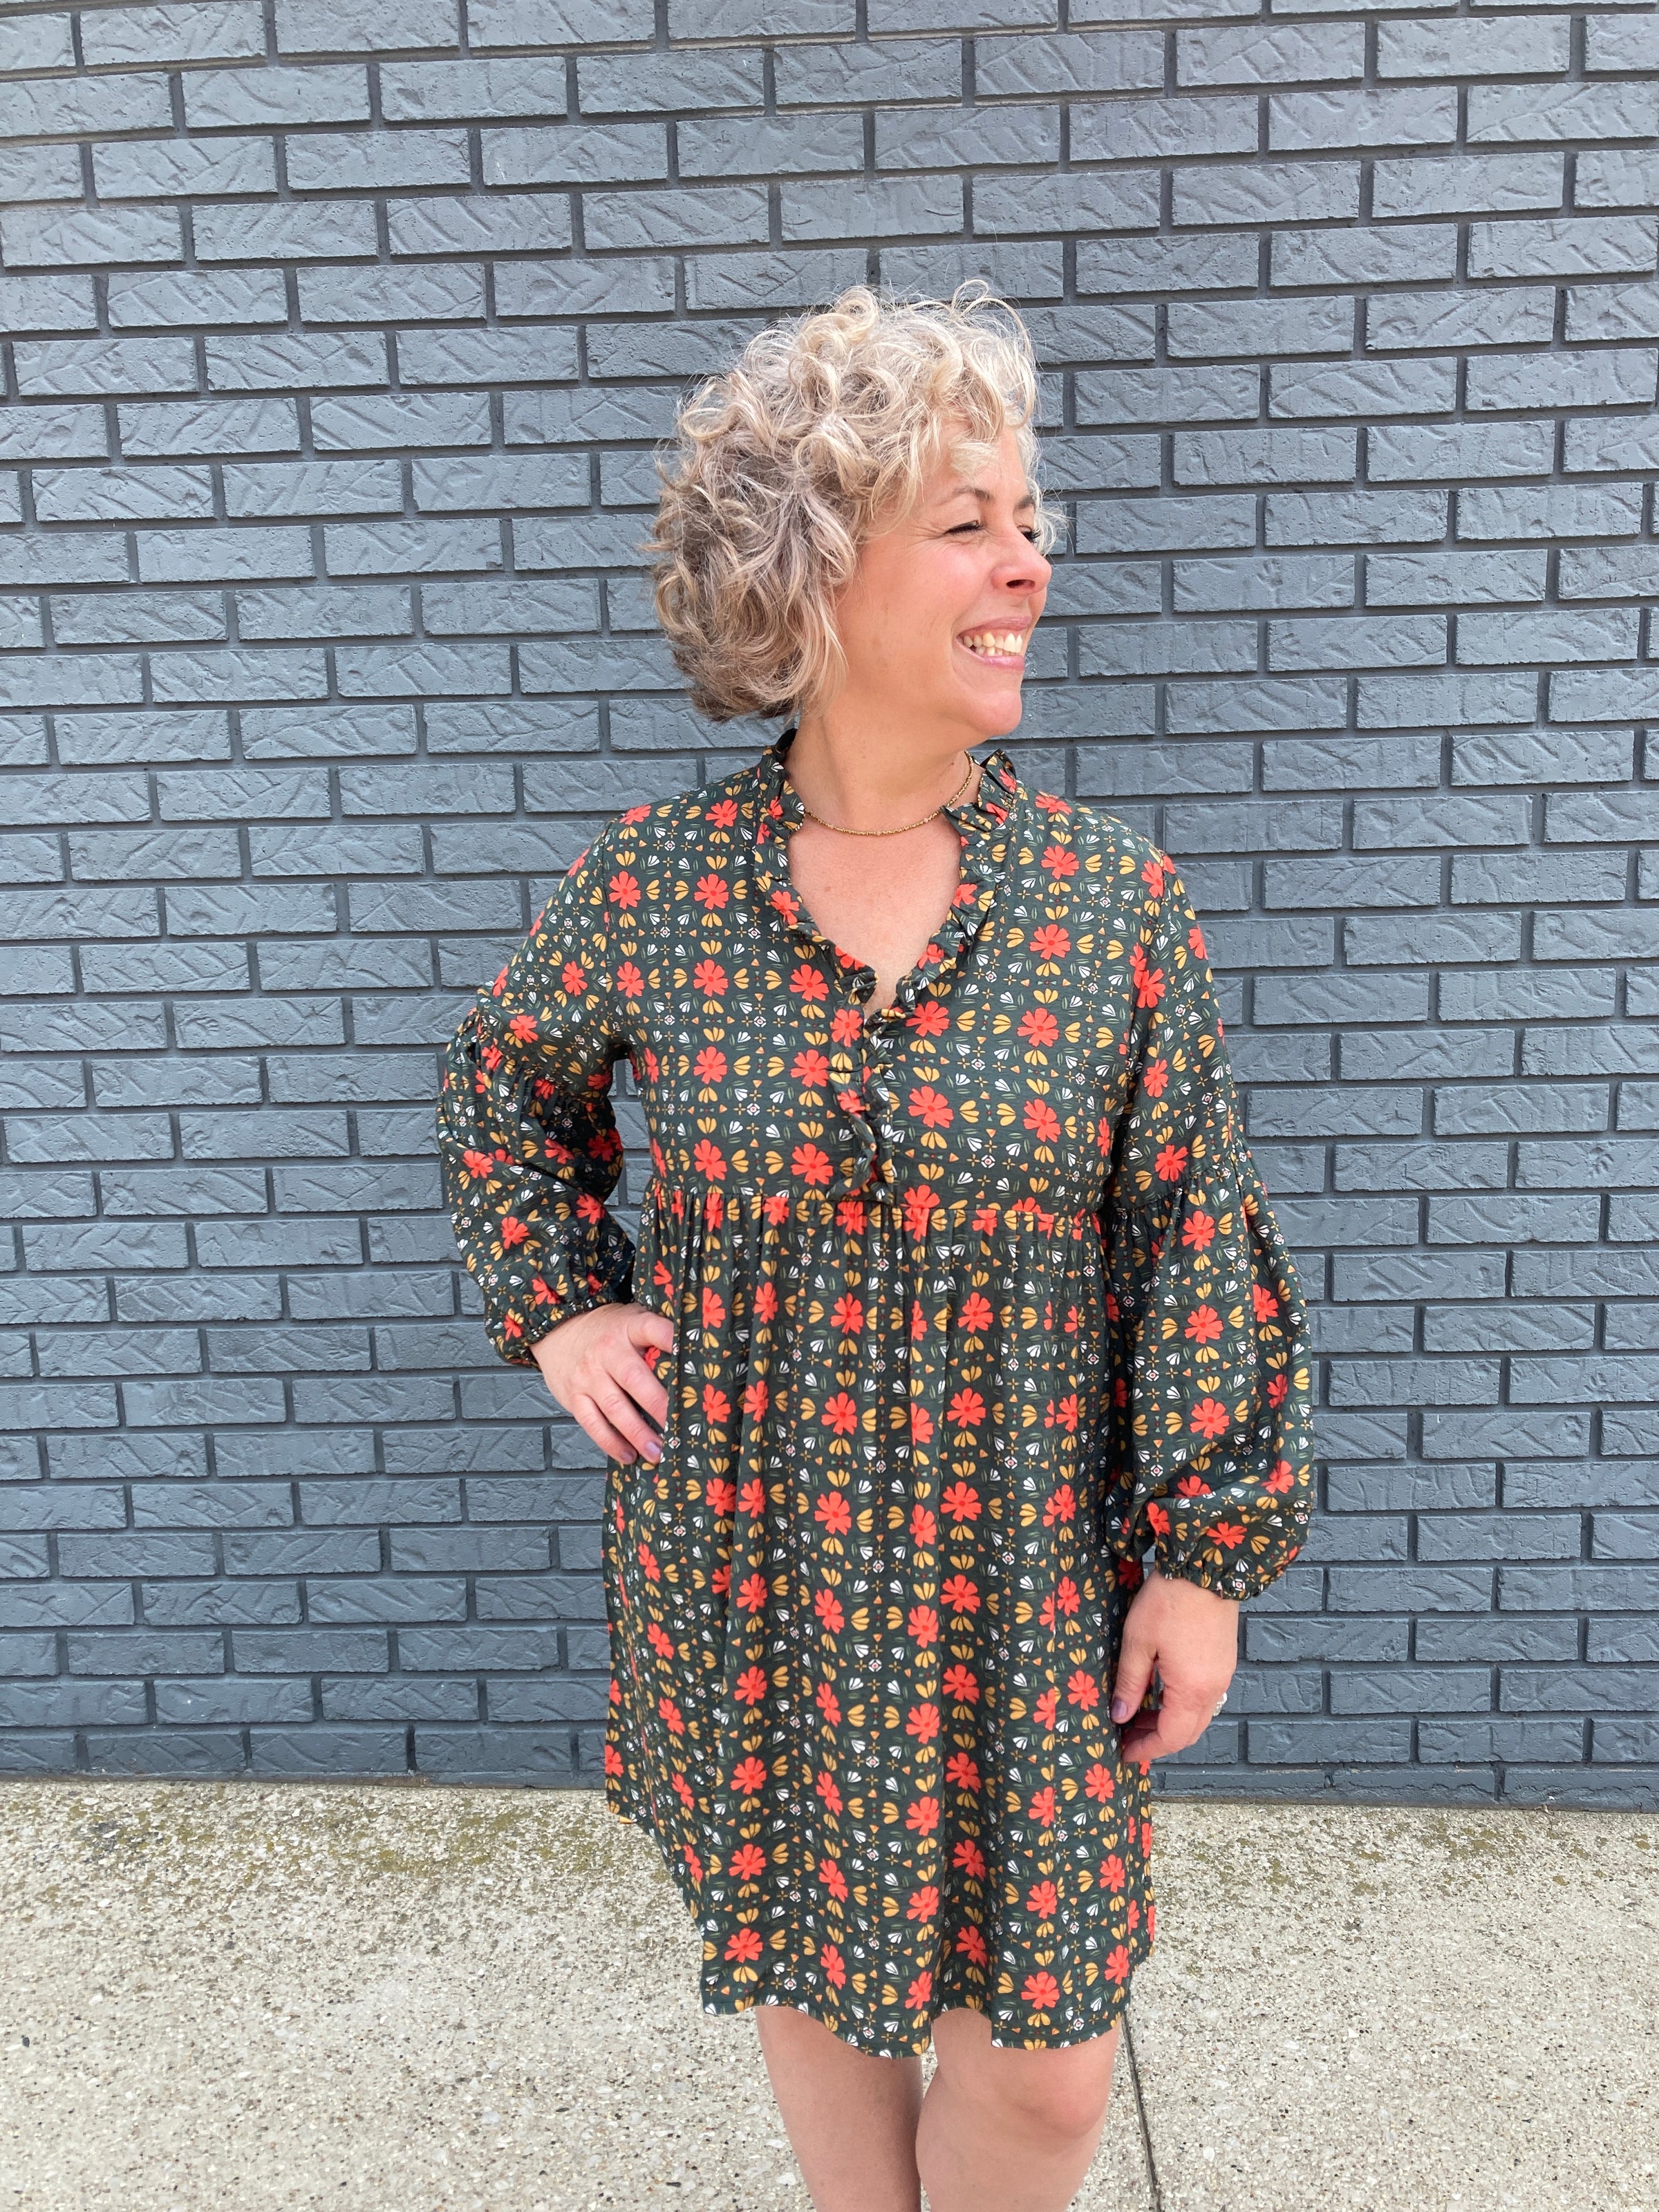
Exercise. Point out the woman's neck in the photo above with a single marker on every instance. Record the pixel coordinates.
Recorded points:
(861, 780)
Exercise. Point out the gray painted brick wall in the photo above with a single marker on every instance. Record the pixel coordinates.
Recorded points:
(338, 335)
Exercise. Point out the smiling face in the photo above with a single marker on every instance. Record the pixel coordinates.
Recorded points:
(937, 618)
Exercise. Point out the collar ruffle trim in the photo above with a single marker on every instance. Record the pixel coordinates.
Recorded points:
(982, 823)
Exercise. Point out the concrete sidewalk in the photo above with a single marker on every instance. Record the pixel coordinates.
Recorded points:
(230, 1998)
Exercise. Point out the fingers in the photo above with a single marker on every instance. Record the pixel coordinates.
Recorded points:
(1151, 1737)
(593, 1425)
(614, 1405)
(599, 1366)
(1175, 1723)
(645, 1328)
(1191, 1637)
(632, 1376)
(1134, 1674)
(626, 1390)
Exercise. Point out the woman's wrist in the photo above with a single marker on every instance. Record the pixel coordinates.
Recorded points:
(1163, 1574)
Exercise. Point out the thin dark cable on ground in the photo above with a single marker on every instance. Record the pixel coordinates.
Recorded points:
(1140, 2114)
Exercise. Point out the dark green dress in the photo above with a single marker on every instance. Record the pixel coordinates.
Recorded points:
(974, 1299)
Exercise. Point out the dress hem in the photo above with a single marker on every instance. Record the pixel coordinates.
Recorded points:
(639, 1816)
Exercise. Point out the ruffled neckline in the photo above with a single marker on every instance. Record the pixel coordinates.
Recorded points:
(982, 824)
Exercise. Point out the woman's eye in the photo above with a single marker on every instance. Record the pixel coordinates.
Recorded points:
(959, 528)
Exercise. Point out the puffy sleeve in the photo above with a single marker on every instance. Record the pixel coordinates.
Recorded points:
(526, 1136)
(1210, 1369)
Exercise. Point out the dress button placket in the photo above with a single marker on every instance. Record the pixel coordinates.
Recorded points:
(878, 1097)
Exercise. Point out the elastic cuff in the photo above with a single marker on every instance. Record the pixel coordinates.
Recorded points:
(1238, 1579)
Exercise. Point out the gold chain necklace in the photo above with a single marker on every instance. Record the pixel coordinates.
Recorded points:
(905, 829)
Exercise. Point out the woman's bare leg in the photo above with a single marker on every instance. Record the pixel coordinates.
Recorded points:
(851, 2119)
(1008, 2130)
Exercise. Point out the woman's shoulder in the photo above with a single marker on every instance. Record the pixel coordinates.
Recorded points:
(661, 829)
(1101, 854)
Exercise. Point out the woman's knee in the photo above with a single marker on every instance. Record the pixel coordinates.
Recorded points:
(1047, 2096)
(1055, 2104)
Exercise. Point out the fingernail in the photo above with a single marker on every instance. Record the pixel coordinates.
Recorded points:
(1120, 1708)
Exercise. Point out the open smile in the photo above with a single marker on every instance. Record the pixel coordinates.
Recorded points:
(1001, 648)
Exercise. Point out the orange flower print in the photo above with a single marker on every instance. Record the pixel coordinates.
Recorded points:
(1198, 1230)
(835, 1513)
(932, 1108)
(1203, 1325)
(1041, 1120)
(1209, 1419)
(967, 1409)
(841, 1413)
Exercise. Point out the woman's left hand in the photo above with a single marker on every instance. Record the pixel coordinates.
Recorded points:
(1190, 1635)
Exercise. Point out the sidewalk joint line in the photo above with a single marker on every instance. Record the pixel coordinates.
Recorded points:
(1140, 2114)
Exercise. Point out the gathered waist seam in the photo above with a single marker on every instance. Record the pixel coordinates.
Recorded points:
(921, 1209)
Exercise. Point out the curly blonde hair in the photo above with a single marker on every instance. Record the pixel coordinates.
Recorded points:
(824, 431)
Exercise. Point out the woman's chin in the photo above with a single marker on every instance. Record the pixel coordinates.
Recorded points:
(993, 710)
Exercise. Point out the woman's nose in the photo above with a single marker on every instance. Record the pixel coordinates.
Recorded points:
(1024, 566)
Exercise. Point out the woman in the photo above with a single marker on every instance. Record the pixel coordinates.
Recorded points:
(955, 1288)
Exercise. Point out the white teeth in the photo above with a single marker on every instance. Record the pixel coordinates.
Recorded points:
(998, 641)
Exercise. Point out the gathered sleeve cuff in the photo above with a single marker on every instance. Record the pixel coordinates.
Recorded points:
(1211, 1377)
(527, 1138)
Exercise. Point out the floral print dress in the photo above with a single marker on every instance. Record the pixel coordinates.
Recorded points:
(976, 1299)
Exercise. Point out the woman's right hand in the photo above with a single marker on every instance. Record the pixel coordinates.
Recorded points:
(594, 1365)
